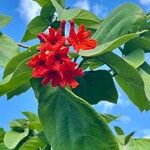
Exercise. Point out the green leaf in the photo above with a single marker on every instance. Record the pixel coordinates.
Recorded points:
(109, 46)
(87, 18)
(31, 116)
(119, 130)
(47, 11)
(21, 89)
(135, 58)
(33, 143)
(18, 59)
(92, 63)
(2, 133)
(17, 74)
(34, 121)
(109, 118)
(126, 18)
(128, 137)
(128, 146)
(20, 76)
(8, 49)
(70, 123)
(142, 144)
(144, 71)
(129, 80)
(96, 86)
(12, 138)
(19, 125)
(4, 20)
(28, 36)
(3, 147)
(80, 16)
(38, 24)
(139, 42)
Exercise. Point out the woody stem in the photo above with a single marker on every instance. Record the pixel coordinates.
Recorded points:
(22, 45)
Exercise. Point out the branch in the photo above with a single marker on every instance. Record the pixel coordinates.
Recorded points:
(23, 46)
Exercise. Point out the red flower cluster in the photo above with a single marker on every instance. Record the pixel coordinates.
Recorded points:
(53, 63)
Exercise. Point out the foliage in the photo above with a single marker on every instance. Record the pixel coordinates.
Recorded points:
(67, 120)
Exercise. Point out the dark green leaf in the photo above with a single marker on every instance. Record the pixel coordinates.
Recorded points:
(127, 138)
(71, 124)
(47, 11)
(28, 36)
(96, 86)
(119, 130)
(139, 42)
(2, 133)
(8, 49)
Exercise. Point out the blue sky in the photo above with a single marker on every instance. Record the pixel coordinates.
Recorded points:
(22, 12)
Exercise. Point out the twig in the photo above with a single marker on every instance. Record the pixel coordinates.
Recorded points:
(23, 46)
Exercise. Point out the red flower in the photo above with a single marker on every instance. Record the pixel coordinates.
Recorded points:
(70, 71)
(81, 39)
(60, 55)
(53, 75)
(51, 41)
(38, 62)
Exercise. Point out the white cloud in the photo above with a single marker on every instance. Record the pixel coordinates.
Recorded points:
(124, 119)
(104, 106)
(145, 2)
(99, 10)
(29, 9)
(146, 133)
(84, 4)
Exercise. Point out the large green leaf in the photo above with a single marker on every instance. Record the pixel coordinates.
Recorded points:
(8, 49)
(79, 15)
(126, 18)
(15, 61)
(142, 144)
(96, 86)
(4, 20)
(109, 46)
(129, 80)
(18, 64)
(20, 76)
(70, 123)
(12, 138)
(144, 71)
